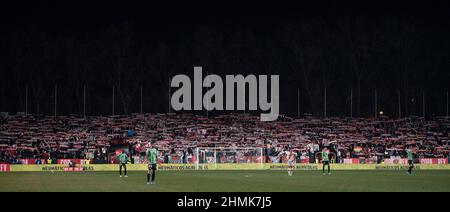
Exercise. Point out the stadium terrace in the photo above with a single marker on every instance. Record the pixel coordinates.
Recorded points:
(27, 140)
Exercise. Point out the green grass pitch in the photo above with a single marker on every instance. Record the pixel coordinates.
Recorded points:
(228, 181)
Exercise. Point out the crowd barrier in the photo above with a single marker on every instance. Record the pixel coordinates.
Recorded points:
(247, 166)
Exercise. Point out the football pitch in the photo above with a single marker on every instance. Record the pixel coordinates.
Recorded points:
(228, 181)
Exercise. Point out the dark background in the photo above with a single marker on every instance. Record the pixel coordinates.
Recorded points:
(389, 48)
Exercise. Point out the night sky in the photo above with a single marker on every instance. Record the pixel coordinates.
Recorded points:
(391, 49)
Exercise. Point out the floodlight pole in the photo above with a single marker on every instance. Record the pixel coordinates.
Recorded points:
(113, 93)
(56, 96)
(399, 105)
(325, 103)
(376, 103)
(141, 99)
(168, 102)
(84, 101)
(26, 100)
(37, 106)
(351, 103)
(447, 106)
(423, 104)
(298, 102)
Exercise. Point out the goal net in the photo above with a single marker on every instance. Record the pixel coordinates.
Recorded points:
(217, 157)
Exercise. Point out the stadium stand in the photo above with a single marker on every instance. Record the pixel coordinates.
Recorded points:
(25, 139)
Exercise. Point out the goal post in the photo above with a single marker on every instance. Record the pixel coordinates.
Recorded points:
(229, 157)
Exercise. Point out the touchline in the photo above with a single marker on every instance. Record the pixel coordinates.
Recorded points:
(213, 99)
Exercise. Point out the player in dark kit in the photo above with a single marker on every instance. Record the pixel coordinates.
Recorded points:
(123, 160)
(152, 155)
(410, 160)
(325, 161)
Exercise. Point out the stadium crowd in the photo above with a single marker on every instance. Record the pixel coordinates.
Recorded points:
(177, 136)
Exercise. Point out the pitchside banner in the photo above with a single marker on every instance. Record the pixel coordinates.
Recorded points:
(249, 166)
(433, 161)
(351, 160)
(400, 161)
(4, 167)
(390, 161)
(76, 161)
(32, 161)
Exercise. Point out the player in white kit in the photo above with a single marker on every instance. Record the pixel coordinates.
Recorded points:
(290, 157)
